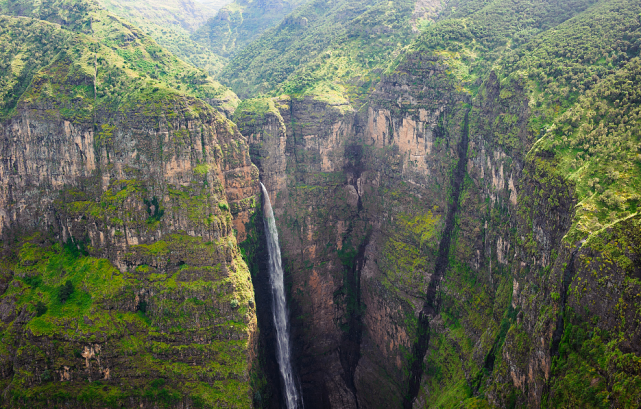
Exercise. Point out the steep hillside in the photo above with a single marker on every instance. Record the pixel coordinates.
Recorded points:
(323, 45)
(123, 191)
(134, 54)
(239, 23)
(172, 23)
(28, 45)
(203, 34)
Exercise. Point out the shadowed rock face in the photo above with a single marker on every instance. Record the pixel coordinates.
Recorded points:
(331, 173)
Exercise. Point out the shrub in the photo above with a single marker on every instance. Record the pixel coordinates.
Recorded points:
(65, 291)
(41, 308)
(142, 306)
(46, 376)
(156, 212)
(33, 281)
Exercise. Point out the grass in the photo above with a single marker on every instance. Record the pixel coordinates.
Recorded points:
(100, 310)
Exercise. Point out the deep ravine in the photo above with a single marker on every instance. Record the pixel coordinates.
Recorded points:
(279, 305)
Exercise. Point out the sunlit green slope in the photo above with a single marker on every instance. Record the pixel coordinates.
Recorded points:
(124, 60)
(322, 45)
(171, 23)
(239, 23)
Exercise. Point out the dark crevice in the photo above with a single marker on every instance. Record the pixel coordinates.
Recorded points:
(557, 335)
(350, 345)
(430, 307)
(488, 364)
(568, 276)
(353, 261)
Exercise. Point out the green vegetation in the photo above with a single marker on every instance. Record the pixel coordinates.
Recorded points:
(64, 292)
(172, 24)
(115, 64)
(406, 254)
(202, 34)
(591, 371)
(328, 49)
(240, 22)
(86, 301)
(597, 144)
(28, 45)
(41, 308)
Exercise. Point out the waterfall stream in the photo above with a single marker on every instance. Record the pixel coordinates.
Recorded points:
(279, 304)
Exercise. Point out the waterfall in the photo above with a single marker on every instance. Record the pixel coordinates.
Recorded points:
(279, 304)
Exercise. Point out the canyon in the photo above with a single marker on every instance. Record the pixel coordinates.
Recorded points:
(457, 221)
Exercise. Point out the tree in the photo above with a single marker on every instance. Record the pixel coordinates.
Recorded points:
(65, 291)
(41, 308)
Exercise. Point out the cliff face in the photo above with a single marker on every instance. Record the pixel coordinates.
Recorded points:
(459, 226)
(357, 200)
(300, 146)
(122, 279)
(423, 239)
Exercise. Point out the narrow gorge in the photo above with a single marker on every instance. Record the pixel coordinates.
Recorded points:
(320, 204)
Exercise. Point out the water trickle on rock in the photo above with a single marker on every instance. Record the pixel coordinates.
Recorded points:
(279, 304)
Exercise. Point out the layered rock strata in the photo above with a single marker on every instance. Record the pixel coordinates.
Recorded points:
(423, 240)
(139, 209)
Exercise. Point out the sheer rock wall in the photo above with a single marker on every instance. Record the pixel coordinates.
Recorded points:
(153, 197)
(362, 196)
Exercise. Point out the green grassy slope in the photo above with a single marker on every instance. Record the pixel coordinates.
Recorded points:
(582, 81)
(172, 23)
(577, 59)
(321, 46)
(28, 45)
(100, 322)
(123, 60)
(202, 34)
(239, 23)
